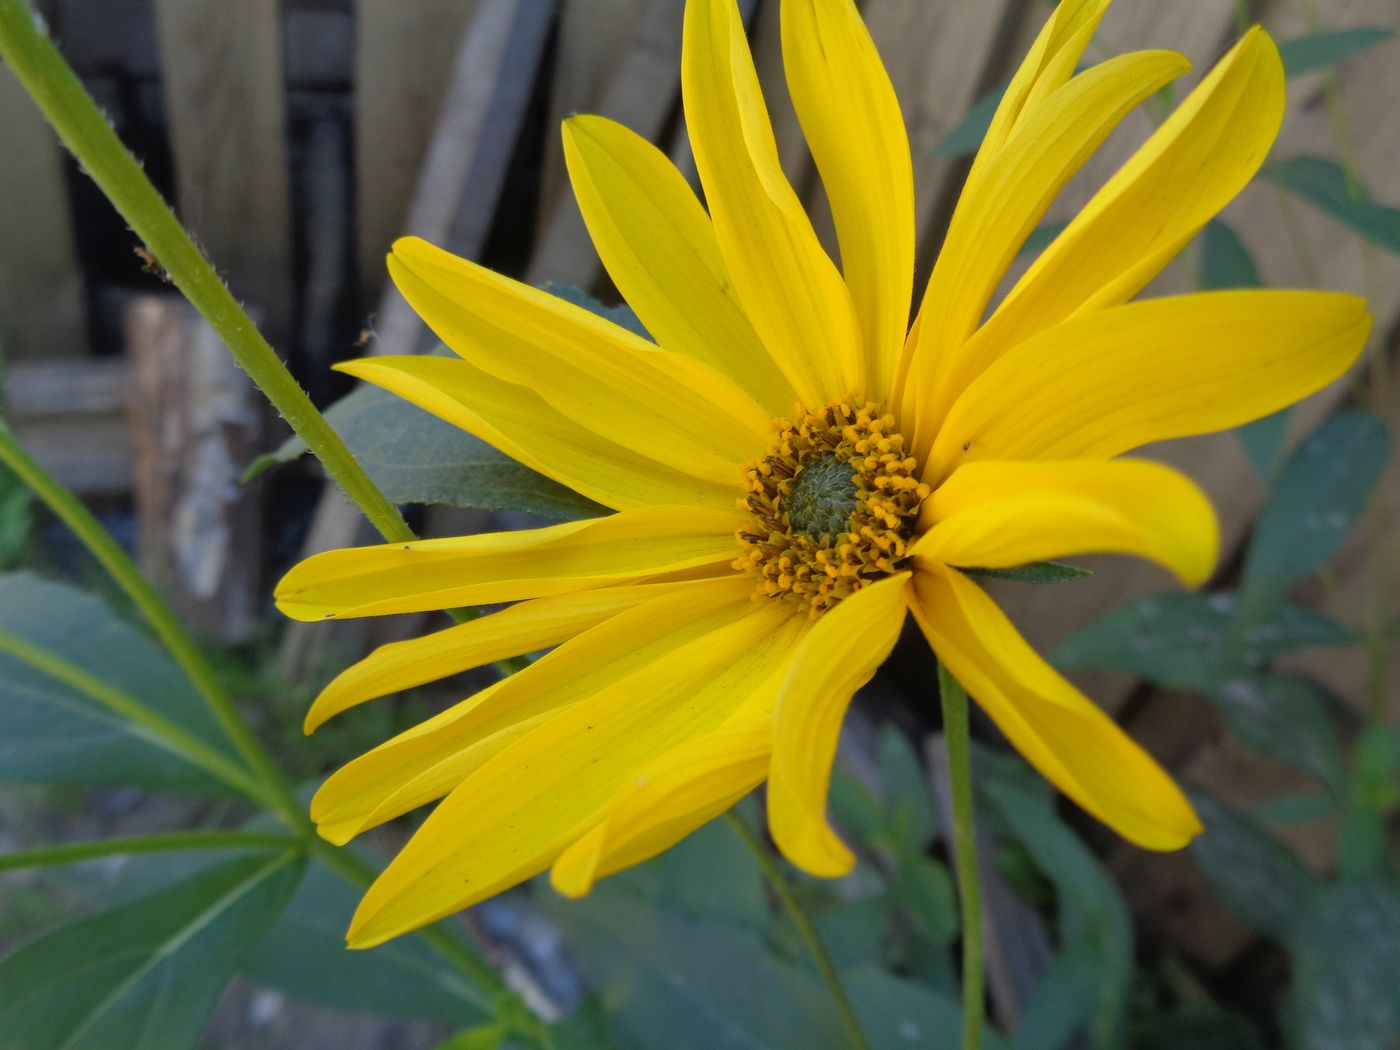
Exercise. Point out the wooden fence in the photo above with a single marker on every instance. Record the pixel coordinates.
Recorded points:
(298, 139)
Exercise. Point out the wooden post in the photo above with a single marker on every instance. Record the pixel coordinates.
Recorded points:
(196, 420)
(71, 416)
(224, 94)
(42, 311)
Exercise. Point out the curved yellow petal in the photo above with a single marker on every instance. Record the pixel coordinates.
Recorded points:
(1075, 745)
(601, 376)
(426, 762)
(665, 801)
(523, 628)
(839, 654)
(790, 289)
(660, 250)
(512, 817)
(850, 117)
(995, 515)
(521, 424)
(1116, 379)
(506, 566)
(998, 210)
(1190, 168)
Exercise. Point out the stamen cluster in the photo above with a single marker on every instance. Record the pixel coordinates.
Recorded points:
(883, 496)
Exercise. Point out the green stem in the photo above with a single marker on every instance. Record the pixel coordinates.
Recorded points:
(150, 604)
(54, 87)
(805, 929)
(157, 729)
(953, 698)
(71, 853)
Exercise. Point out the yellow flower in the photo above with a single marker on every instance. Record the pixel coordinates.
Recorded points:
(792, 470)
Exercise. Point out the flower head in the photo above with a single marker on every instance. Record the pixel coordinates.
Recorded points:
(794, 468)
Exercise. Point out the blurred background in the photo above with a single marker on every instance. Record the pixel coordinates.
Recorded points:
(298, 138)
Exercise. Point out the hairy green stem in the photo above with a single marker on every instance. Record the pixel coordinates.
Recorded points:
(73, 852)
(164, 622)
(805, 929)
(52, 84)
(953, 699)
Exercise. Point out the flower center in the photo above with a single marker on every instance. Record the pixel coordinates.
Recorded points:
(834, 503)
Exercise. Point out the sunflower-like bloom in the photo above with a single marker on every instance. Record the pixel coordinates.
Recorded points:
(794, 468)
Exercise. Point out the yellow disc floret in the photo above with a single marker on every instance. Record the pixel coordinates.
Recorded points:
(834, 503)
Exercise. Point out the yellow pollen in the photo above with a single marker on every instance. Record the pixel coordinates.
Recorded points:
(833, 502)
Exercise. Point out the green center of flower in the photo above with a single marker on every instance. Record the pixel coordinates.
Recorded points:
(823, 498)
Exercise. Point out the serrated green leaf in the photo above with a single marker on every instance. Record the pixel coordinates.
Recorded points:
(1320, 491)
(1307, 54)
(1323, 183)
(414, 457)
(1301, 808)
(145, 974)
(1258, 878)
(1035, 572)
(1346, 968)
(964, 139)
(305, 956)
(1284, 718)
(52, 733)
(1185, 641)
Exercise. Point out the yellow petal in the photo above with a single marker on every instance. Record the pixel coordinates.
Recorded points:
(850, 117)
(521, 424)
(839, 655)
(790, 289)
(665, 801)
(1049, 63)
(522, 628)
(506, 566)
(511, 818)
(999, 209)
(995, 515)
(660, 250)
(1075, 745)
(671, 408)
(426, 762)
(1190, 168)
(1116, 379)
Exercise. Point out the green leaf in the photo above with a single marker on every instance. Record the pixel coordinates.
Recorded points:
(923, 889)
(964, 139)
(1035, 572)
(1346, 968)
(1321, 490)
(1323, 183)
(305, 956)
(1362, 846)
(1184, 641)
(622, 314)
(16, 517)
(414, 457)
(489, 1036)
(51, 732)
(907, 817)
(1377, 782)
(1307, 54)
(1258, 878)
(897, 1014)
(1061, 1004)
(1284, 718)
(1041, 238)
(148, 973)
(1299, 808)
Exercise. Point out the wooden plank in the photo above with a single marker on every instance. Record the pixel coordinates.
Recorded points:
(196, 418)
(71, 416)
(227, 108)
(404, 53)
(42, 311)
(642, 94)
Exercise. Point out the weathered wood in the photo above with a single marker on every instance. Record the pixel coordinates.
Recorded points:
(404, 52)
(41, 288)
(196, 419)
(227, 106)
(642, 94)
(71, 416)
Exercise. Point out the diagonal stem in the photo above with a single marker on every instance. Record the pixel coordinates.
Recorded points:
(73, 852)
(953, 699)
(805, 929)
